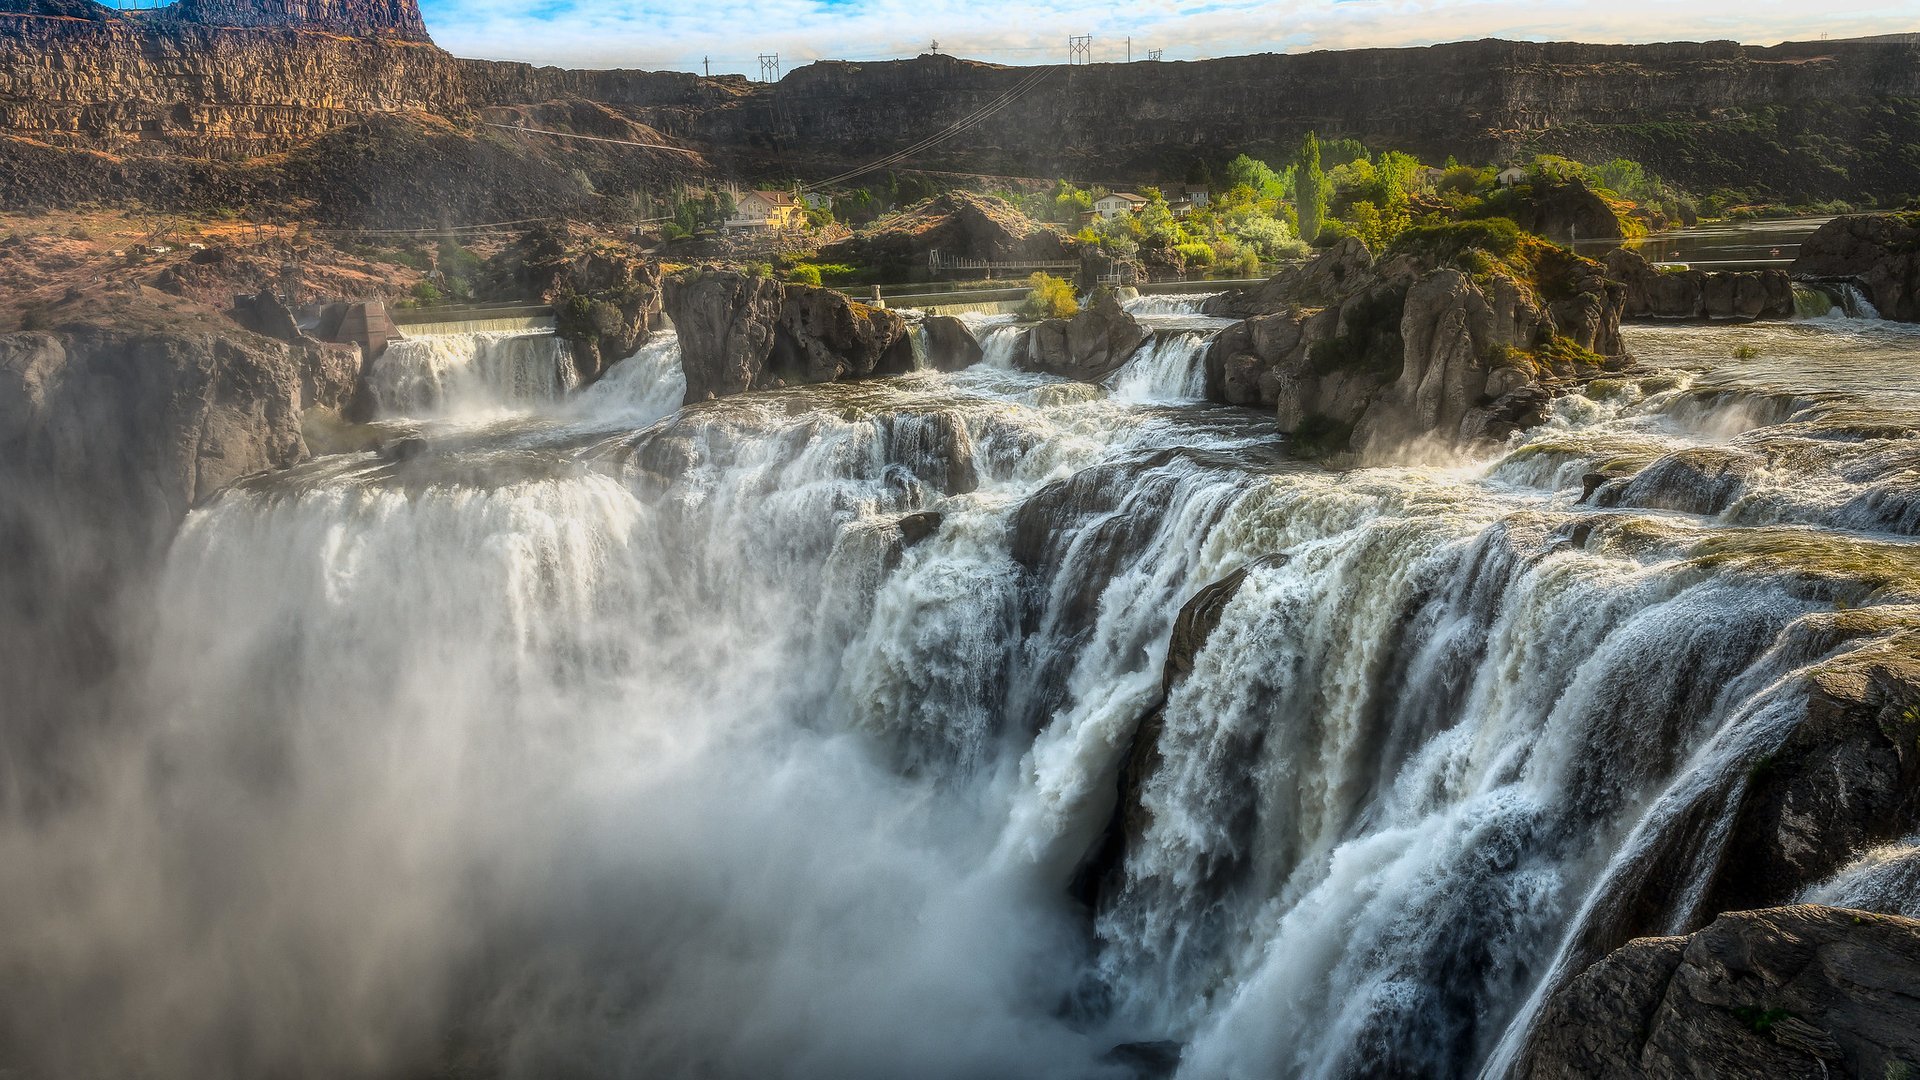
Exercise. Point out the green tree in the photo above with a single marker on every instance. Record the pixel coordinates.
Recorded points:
(1310, 189)
(1049, 297)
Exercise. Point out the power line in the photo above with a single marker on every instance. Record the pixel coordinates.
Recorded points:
(591, 138)
(949, 132)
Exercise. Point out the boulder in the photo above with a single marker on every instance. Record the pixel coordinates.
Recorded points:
(739, 333)
(1799, 991)
(950, 345)
(1090, 346)
(1699, 480)
(1878, 252)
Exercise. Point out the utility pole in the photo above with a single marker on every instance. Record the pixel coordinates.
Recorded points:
(706, 65)
(1129, 48)
(769, 67)
(1080, 49)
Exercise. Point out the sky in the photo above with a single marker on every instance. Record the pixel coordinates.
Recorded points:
(679, 34)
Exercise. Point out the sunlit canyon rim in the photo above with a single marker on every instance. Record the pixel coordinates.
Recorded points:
(820, 690)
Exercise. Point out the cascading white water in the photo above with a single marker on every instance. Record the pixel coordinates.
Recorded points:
(779, 736)
(444, 374)
(1184, 304)
(1886, 879)
(1170, 367)
(642, 388)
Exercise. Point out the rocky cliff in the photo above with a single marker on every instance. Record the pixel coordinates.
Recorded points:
(1787, 992)
(264, 76)
(115, 421)
(1682, 293)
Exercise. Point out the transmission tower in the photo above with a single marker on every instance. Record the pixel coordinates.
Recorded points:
(1153, 54)
(935, 47)
(1080, 49)
(769, 67)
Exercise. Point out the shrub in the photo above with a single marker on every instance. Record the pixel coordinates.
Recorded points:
(1447, 242)
(425, 293)
(1194, 253)
(1049, 298)
(804, 274)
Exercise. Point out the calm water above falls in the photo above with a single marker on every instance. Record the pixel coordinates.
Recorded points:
(609, 739)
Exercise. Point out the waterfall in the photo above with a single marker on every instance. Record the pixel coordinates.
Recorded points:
(444, 374)
(856, 730)
(1811, 303)
(1000, 344)
(642, 388)
(1169, 367)
(1184, 304)
(1886, 879)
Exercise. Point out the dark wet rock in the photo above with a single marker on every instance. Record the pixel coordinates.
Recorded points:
(935, 447)
(1591, 483)
(405, 448)
(1697, 480)
(1563, 212)
(739, 332)
(1147, 1060)
(1790, 992)
(1654, 292)
(950, 345)
(1878, 252)
(1090, 346)
(917, 527)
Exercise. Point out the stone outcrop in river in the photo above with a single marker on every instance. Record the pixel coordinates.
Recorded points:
(739, 332)
(1440, 338)
(957, 224)
(1685, 293)
(1878, 252)
(1090, 346)
(1786, 992)
(606, 296)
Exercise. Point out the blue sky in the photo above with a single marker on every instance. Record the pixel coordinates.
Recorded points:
(677, 34)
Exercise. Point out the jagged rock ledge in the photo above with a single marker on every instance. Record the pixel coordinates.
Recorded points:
(1880, 253)
(739, 332)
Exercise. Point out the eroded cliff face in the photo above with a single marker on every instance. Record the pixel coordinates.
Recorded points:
(1878, 252)
(739, 332)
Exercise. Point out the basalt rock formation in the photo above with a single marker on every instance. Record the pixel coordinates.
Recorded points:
(113, 423)
(1359, 353)
(1786, 992)
(606, 296)
(1090, 346)
(1674, 293)
(739, 332)
(950, 345)
(381, 18)
(1878, 252)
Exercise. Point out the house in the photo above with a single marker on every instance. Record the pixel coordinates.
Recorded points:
(766, 210)
(1511, 175)
(1183, 199)
(1118, 203)
(816, 200)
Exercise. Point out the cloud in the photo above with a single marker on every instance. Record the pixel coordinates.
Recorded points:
(672, 34)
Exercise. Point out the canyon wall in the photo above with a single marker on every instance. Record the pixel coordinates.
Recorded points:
(230, 79)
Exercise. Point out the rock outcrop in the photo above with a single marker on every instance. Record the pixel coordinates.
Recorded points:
(1369, 354)
(950, 345)
(957, 224)
(1090, 346)
(1782, 993)
(739, 332)
(607, 297)
(1878, 252)
(112, 425)
(1675, 293)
